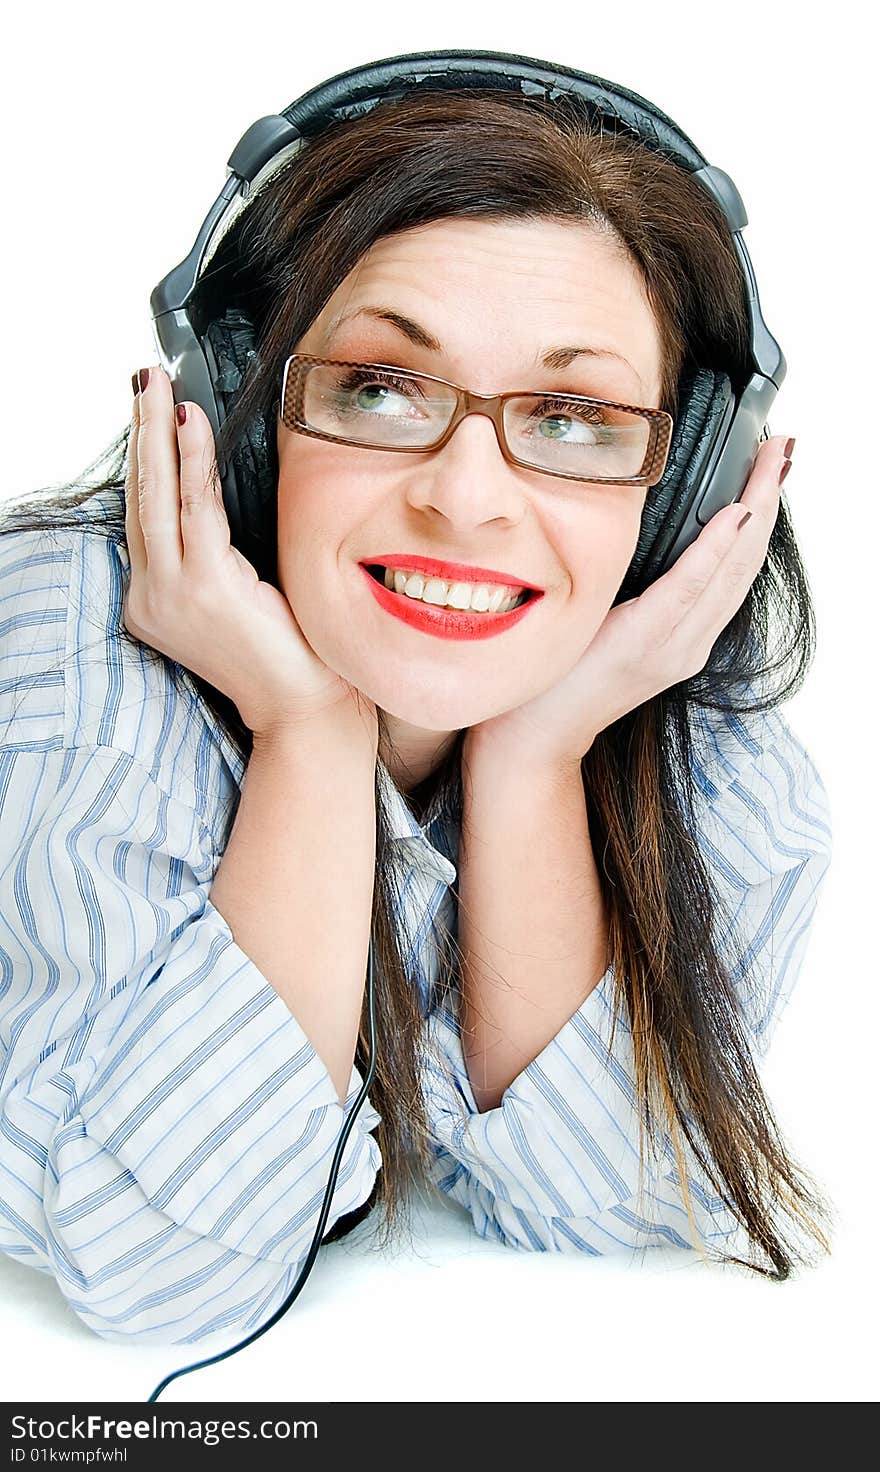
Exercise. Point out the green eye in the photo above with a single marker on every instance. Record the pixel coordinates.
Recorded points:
(558, 422)
(379, 390)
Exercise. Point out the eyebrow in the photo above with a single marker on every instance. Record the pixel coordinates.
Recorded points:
(554, 358)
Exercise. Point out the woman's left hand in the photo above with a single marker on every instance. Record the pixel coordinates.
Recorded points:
(650, 642)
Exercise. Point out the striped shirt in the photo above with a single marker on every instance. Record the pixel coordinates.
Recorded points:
(167, 1126)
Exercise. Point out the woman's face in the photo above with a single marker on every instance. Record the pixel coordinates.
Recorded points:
(497, 296)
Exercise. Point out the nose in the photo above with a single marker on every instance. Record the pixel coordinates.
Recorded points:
(468, 481)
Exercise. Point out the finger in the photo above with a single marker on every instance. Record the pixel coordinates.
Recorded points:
(675, 596)
(745, 553)
(159, 477)
(203, 523)
(136, 552)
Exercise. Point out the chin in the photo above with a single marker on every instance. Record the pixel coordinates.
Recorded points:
(435, 709)
(441, 715)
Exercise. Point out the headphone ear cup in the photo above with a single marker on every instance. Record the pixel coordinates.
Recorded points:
(704, 395)
(251, 494)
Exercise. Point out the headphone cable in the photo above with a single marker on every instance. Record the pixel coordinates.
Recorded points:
(322, 1217)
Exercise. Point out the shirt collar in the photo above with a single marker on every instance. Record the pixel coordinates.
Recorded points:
(419, 840)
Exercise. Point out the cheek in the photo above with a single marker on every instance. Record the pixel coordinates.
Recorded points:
(311, 502)
(304, 545)
(317, 537)
(602, 545)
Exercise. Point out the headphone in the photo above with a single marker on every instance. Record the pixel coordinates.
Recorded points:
(715, 436)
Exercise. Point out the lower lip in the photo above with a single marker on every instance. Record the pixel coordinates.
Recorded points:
(446, 623)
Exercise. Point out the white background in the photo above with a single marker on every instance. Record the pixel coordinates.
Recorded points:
(117, 122)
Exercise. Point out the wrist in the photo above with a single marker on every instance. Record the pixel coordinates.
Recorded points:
(496, 777)
(483, 751)
(343, 731)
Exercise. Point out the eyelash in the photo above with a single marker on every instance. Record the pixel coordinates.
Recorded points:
(549, 404)
(359, 376)
(565, 406)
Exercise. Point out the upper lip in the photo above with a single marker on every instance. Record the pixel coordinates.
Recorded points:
(450, 571)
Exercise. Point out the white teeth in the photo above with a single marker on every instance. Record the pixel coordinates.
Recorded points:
(481, 597)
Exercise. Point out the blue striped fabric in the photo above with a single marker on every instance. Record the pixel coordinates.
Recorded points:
(167, 1127)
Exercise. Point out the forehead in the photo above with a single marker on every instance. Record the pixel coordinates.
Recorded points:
(502, 292)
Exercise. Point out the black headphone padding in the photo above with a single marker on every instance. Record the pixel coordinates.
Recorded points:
(704, 395)
(255, 460)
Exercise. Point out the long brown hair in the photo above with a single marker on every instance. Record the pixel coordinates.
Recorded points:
(497, 156)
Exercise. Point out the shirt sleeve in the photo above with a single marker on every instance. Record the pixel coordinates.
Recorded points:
(167, 1126)
(555, 1167)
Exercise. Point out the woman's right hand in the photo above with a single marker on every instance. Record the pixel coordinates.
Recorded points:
(195, 598)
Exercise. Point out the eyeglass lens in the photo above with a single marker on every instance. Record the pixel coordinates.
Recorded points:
(362, 405)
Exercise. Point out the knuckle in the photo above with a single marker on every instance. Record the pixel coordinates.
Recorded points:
(691, 589)
(739, 569)
(192, 499)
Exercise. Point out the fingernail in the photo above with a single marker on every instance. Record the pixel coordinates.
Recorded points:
(788, 449)
(134, 383)
(741, 524)
(180, 411)
(143, 378)
(786, 467)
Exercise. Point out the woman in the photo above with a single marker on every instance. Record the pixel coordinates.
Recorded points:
(587, 847)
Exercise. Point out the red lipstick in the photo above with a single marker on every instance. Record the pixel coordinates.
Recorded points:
(445, 623)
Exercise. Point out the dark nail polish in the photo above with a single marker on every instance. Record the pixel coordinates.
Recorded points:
(143, 378)
(180, 411)
(134, 384)
(786, 467)
(788, 449)
(741, 524)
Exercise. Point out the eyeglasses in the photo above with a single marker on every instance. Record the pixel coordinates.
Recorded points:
(381, 407)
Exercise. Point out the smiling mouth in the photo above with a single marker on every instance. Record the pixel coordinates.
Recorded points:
(377, 573)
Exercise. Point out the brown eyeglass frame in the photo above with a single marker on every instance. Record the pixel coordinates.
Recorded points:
(491, 405)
